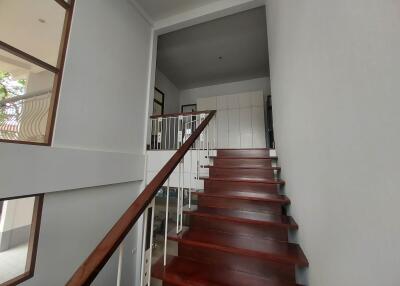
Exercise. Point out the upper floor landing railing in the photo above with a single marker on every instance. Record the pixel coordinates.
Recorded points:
(169, 131)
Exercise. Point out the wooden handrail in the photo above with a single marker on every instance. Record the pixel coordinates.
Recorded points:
(178, 114)
(88, 271)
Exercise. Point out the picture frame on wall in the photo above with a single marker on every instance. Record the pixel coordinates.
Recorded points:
(188, 108)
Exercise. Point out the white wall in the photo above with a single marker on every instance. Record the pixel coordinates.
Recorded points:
(15, 221)
(335, 70)
(40, 81)
(171, 98)
(157, 159)
(73, 223)
(190, 96)
(100, 127)
(104, 93)
(16, 213)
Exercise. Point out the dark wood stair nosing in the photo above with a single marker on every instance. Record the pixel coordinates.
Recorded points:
(245, 158)
(241, 167)
(238, 251)
(160, 272)
(245, 180)
(222, 195)
(245, 149)
(200, 213)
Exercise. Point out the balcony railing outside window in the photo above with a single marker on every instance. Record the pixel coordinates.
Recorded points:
(24, 118)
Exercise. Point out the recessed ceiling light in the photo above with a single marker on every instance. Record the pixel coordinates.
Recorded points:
(220, 57)
(42, 20)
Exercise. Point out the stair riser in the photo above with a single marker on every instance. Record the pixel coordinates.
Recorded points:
(256, 230)
(220, 186)
(242, 162)
(252, 265)
(239, 204)
(242, 173)
(243, 153)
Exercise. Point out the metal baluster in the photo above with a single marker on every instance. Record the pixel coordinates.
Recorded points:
(156, 133)
(169, 133)
(180, 127)
(215, 131)
(174, 121)
(183, 194)
(156, 140)
(178, 198)
(166, 225)
(151, 134)
(159, 139)
(147, 244)
(165, 134)
(190, 178)
(198, 149)
(208, 147)
(120, 260)
(202, 140)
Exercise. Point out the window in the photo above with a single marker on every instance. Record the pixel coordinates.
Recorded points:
(19, 233)
(158, 103)
(33, 40)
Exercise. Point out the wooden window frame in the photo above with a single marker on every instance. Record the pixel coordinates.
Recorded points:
(57, 70)
(158, 102)
(33, 240)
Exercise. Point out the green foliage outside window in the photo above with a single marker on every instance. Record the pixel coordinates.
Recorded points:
(9, 87)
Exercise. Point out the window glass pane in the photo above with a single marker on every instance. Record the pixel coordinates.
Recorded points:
(158, 96)
(34, 27)
(16, 233)
(157, 108)
(25, 93)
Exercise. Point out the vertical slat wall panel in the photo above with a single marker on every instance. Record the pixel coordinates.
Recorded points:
(240, 119)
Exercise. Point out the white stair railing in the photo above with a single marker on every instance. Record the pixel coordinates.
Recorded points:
(198, 155)
(145, 207)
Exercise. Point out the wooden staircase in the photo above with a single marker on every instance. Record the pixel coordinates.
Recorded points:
(238, 234)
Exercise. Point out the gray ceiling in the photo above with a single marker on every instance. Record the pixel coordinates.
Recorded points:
(190, 57)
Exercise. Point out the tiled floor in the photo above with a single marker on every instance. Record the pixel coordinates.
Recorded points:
(12, 262)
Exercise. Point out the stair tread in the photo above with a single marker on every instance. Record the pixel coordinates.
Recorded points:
(186, 272)
(245, 179)
(244, 216)
(245, 149)
(242, 167)
(247, 195)
(272, 250)
(244, 157)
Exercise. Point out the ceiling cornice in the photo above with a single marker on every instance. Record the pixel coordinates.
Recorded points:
(142, 12)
